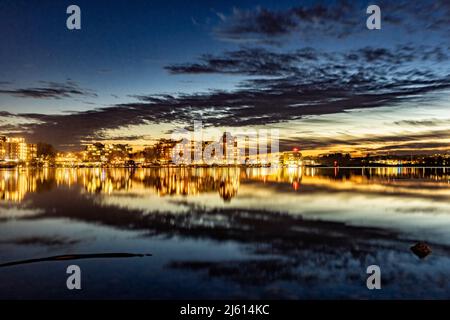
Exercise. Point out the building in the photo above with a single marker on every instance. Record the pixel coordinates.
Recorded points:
(116, 154)
(69, 159)
(2, 148)
(230, 149)
(291, 158)
(164, 151)
(17, 150)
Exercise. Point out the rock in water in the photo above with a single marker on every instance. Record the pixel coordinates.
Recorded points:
(421, 249)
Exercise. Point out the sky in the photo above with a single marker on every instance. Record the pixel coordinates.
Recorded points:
(138, 70)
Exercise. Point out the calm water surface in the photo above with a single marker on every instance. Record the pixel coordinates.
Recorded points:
(225, 232)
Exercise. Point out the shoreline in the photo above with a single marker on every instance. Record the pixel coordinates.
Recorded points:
(218, 166)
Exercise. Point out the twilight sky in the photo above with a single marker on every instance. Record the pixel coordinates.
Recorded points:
(139, 69)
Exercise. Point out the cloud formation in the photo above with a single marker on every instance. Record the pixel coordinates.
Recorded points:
(338, 19)
(425, 142)
(50, 90)
(282, 87)
(262, 62)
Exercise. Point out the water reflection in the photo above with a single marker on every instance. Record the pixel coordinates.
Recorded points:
(15, 184)
(226, 232)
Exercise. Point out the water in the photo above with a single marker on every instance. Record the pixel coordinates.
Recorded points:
(225, 232)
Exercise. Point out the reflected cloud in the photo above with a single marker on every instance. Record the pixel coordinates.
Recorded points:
(40, 241)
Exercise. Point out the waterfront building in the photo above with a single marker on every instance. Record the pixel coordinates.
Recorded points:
(116, 154)
(291, 158)
(17, 150)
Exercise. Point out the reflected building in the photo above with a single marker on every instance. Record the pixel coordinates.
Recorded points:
(225, 182)
(189, 181)
(14, 185)
(228, 189)
(161, 181)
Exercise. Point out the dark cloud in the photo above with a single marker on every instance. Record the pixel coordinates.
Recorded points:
(407, 148)
(47, 241)
(248, 61)
(125, 137)
(338, 20)
(409, 142)
(261, 21)
(264, 25)
(423, 123)
(50, 90)
(262, 62)
(9, 128)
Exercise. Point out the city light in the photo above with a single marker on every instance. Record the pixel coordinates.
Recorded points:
(16, 151)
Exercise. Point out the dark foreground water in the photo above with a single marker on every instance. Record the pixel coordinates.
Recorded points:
(224, 233)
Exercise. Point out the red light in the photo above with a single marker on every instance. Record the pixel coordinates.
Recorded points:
(295, 149)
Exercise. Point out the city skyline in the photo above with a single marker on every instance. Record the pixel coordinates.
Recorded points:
(227, 151)
(312, 70)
